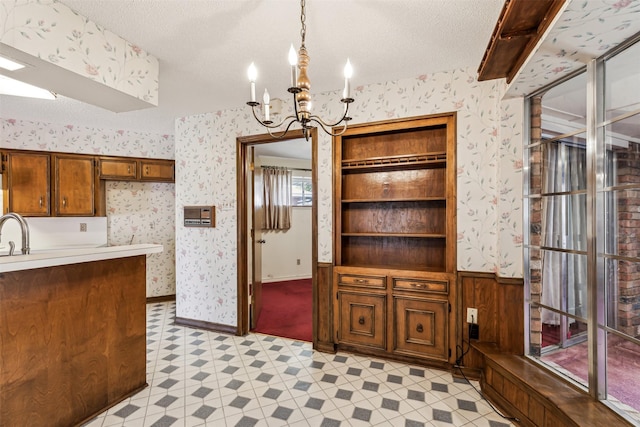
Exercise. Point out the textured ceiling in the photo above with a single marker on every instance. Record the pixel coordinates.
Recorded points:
(205, 46)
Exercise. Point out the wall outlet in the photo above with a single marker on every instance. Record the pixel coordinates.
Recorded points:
(472, 315)
(298, 261)
(83, 226)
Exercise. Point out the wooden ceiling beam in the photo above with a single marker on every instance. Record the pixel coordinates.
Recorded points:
(519, 28)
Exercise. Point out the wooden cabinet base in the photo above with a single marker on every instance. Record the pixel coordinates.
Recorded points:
(72, 341)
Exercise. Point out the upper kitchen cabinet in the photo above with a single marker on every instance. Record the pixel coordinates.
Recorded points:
(157, 170)
(118, 168)
(26, 183)
(74, 185)
(136, 169)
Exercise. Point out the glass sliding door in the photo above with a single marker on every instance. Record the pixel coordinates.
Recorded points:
(582, 249)
(618, 255)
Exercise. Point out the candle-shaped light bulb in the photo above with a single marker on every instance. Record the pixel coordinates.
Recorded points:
(348, 72)
(293, 61)
(266, 100)
(252, 73)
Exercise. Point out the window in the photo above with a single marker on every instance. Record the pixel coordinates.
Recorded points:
(301, 191)
(582, 250)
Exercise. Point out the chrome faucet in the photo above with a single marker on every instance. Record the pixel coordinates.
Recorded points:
(23, 226)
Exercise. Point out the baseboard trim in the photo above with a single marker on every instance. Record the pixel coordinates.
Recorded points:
(286, 279)
(163, 298)
(209, 326)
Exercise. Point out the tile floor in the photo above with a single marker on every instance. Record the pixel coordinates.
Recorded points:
(201, 378)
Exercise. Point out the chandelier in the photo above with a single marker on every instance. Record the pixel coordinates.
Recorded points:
(299, 88)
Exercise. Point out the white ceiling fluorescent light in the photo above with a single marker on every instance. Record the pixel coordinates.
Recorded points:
(9, 86)
(9, 64)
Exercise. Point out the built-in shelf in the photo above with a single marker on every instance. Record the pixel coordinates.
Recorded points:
(413, 161)
(408, 235)
(394, 242)
(412, 199)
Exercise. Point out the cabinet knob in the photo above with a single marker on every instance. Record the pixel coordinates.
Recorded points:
(361, 320)
(146, 170)
(418, 285)
(64, 202)
(361, 281)
(41, 201)
(128, 168)
(419, 328)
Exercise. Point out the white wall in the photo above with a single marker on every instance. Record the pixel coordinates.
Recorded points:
(55, 233)
(283, 249)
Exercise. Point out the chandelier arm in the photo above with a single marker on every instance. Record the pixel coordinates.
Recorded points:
(271, 126)
(324, 126)
(284, 132)
(344, 118)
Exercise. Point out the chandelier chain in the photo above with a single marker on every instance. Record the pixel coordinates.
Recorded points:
(303, 17)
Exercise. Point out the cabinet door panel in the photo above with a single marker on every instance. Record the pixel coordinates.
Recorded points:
(156, 170)
(118, 169)
(362, 319)
(421, 327)
(74, 186)
(28, 184)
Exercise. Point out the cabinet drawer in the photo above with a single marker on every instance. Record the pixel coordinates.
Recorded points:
(421, 328)
(362, 319)
(421, 285)
(378, 282)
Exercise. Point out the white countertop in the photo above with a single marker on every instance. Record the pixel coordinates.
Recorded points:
(73, 256)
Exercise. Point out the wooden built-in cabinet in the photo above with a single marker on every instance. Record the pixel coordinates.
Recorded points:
(74, 185)
(39, 183)
(157, 170)
(117, 169)
(131, 169)
(394, 243)
(33, 180)
(27, 183)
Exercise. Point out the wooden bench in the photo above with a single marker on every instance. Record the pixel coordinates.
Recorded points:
(537, 397)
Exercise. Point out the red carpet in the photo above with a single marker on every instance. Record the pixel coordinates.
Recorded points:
(623, 370)
(286, 310)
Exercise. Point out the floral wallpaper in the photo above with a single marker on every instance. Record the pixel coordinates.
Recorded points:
(53, 32)
(142, 210)
(510, 220)
(585, 30)
(206, 258)
(206, 264)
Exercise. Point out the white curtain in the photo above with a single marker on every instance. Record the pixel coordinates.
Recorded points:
(277, 198)
(564, 275)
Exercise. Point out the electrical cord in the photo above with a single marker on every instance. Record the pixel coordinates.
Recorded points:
(458, 365)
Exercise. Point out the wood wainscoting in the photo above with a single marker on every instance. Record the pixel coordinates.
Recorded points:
(500, 304)
(323, 309)
(517, 385)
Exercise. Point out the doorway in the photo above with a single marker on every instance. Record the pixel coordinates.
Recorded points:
(249, 237)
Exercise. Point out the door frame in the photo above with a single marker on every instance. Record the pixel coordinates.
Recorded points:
(243, 173)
